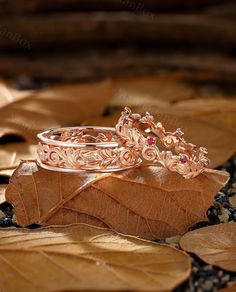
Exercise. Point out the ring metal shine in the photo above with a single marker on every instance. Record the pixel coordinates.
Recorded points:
(155, 145)
(136, 139)
(93, 149)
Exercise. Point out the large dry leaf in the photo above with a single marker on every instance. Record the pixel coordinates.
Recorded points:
(149, 202)
(168, 93)
(150, 90)
(232, 200)
(220, 112)
(6, 172)
(215, 245)
(47, 108)
(84, 258)
(230, 288)
(8, 94)
(200, 106)
(5, 94)
(220, 143)
(12, 153)
(2, 192)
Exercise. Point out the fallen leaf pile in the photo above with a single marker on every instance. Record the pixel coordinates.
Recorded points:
(140, 201)
(2, 192)
(85, 258)
(148, 202)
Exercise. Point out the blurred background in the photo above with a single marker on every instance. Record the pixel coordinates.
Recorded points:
(44, 41)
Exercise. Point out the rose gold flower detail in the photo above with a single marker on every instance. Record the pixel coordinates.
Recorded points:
(186, 158)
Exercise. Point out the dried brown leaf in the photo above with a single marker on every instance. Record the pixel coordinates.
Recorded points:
(170, 94)
(148, 202)
(215, 245)
(232, 200)
(151, 90)
(230, 288)
(205, 105)
(8, 94)
(5, 94)
(219, 112)
(220, 143)
(55, 106)
(12, 153)
(81, 257)
(6, 172)
(2, 192)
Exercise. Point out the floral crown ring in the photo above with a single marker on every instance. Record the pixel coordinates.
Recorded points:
(143, 135)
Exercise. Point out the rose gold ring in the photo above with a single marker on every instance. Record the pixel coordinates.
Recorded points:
(75, 149)
(146, 137)
(102, 149)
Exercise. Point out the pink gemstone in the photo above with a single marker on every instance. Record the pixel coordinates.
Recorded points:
(205, 164)
(125, 121)
(183, 159)
(150, 141)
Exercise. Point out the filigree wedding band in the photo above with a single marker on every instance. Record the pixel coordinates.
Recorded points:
(142, 134)
(133, 140)
(94, 149)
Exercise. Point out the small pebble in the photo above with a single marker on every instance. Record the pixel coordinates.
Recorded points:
(208, 268)
(207, 285)
(225, 278)
(224, 216)
(220, 273)
(232, 201)
(173, 241)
